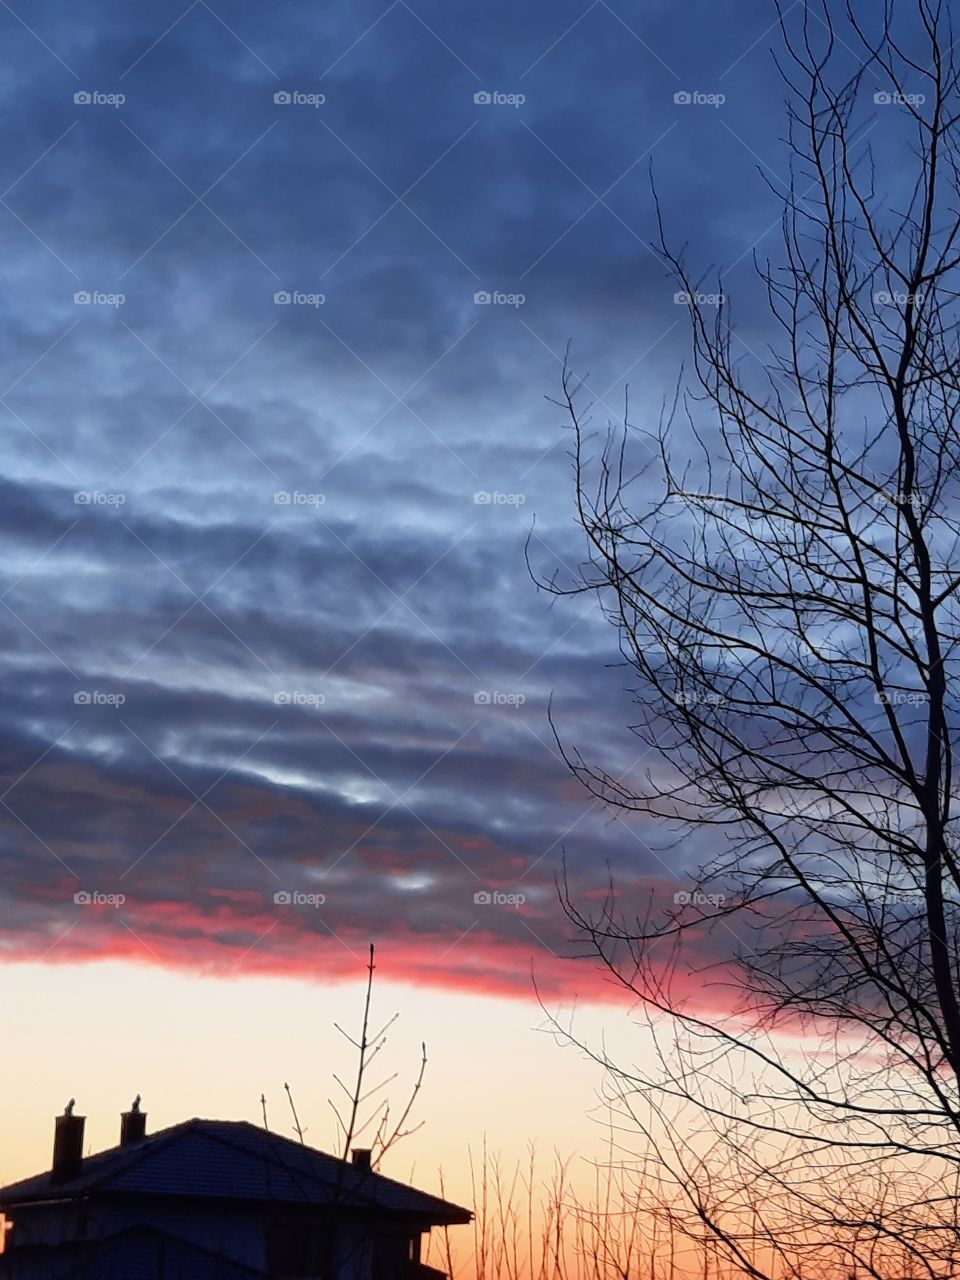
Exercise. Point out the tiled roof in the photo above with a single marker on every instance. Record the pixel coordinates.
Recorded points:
(238, 1161)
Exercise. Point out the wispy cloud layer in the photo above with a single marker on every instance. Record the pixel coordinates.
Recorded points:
(286, 289)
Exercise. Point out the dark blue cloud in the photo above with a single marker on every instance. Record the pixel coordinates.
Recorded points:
(148, 554)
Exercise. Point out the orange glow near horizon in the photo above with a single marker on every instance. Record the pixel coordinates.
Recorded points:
(209, 1046)
(497, 1084)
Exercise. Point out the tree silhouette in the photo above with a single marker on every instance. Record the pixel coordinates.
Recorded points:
(788, 602)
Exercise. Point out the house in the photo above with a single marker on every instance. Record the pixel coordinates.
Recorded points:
(213, 1200)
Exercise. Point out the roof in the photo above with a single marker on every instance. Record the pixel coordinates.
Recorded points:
(133, 1254)
(235, 1160)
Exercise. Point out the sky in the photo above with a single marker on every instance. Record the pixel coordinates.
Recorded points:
(288, 290)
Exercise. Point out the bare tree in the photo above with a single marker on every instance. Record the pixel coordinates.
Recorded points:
(362, 1110)
(363, 1113)
(555, 1226)
(788, 601)
(386, 1131)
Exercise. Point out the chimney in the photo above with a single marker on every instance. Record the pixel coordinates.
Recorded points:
(133, 1124)
(361, 1157)
(67, 1145)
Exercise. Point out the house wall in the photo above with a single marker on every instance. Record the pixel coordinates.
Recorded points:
(47, 1224)
(230, 1231)
(237, 1232)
